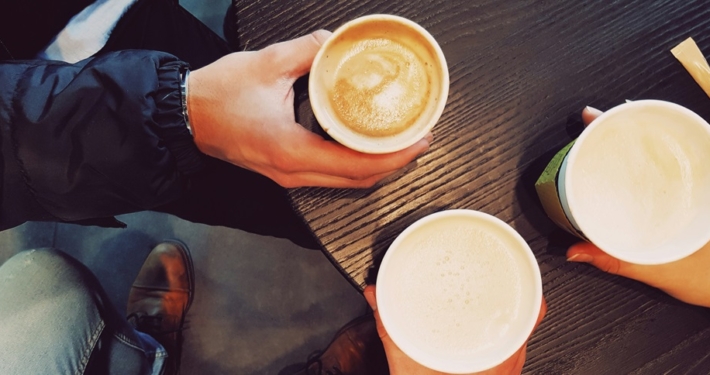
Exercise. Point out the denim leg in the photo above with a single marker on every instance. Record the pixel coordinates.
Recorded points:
(56, 319)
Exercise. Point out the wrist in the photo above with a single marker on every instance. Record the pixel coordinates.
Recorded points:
(201, 109)
(184, 92)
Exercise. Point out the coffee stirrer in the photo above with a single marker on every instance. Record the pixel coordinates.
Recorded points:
(688, 53)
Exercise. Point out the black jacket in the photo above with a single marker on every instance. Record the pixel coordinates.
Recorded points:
(89, 140)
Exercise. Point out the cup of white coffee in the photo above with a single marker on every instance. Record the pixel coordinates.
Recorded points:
(459, 291)
(636, 182)
(378, 84)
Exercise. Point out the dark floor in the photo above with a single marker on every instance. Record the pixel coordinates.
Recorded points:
(261, 303)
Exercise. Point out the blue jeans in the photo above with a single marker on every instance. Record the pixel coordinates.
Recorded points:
(56, 319)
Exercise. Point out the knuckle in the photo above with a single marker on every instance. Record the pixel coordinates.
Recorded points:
(368, 183)
(611, 266)
(358, 175)
(270, 52)
(282, 163)
(285, 181)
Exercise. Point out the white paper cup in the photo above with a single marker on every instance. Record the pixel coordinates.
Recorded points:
(636, 182)
(329, 66)
(459, 291)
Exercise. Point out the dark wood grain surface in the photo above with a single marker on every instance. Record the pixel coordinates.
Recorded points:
(521, 72)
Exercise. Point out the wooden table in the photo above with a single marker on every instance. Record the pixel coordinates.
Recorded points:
(521, 72)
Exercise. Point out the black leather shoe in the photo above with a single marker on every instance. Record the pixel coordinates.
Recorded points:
(160, 297)
(355, 350)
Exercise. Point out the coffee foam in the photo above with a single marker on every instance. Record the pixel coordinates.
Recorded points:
(379, 84)
(456, 289)
(381, 87)
(640, 179)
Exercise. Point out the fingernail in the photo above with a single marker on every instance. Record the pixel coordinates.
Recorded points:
(322, 35)
(593, 110)
(425, 149)
(429, 137)
(581, 258)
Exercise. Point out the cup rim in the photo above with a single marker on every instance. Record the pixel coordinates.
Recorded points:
(474, 364)
(571, 196)
(371, 147)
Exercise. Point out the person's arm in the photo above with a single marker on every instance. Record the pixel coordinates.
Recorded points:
(687, 279)
(107, 135)
(241, 110)
(90, 140)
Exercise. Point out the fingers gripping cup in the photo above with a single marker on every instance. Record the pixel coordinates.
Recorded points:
(459, 291)
(379, 84)
(636, 183)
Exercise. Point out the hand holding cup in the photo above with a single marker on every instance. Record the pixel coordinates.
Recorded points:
(686, 279)
(458, 292)
(379, 84)
(401, 364)
(241, 110)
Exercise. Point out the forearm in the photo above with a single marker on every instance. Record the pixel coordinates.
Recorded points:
(99, 138)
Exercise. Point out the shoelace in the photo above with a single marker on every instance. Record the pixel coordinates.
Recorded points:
(314, 358)
(151, 324)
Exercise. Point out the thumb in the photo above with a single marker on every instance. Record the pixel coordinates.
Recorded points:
(295, 57)
(586, 252)
(589, 114)
(371, 298)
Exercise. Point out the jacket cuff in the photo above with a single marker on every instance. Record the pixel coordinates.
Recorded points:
(171, 125)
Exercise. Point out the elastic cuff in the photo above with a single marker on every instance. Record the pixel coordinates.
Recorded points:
(172, 120)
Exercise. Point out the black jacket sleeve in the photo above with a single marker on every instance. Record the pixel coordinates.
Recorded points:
(91, 140)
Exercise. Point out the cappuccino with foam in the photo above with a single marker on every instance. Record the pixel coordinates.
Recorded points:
(637, 182)
(379, 84)
(459, 291)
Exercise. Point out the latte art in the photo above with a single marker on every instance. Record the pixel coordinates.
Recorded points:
(381, 87)
(378, 84)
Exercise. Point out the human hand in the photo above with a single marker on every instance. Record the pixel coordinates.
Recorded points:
(401, 364)
(241, 111)
(687, 279)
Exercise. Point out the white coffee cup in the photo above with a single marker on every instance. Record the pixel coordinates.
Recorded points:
(379, 84)
(459, 291)
(636, 183)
